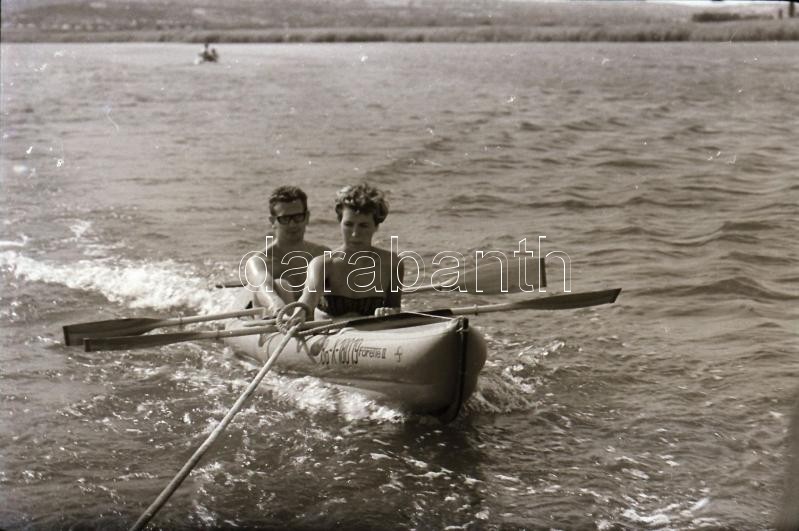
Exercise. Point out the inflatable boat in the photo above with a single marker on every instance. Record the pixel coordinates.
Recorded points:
(420, 363)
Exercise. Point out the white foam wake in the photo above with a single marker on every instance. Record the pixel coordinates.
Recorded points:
(511, 385)
(22, 242)
(157, 285)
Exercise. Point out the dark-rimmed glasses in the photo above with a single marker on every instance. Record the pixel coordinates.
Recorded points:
(288, 218)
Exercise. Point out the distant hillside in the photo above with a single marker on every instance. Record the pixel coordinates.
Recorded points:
(120, 15)
(348, 20)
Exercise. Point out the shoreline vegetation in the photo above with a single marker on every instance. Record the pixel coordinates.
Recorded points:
(320, 21)
(728, 31)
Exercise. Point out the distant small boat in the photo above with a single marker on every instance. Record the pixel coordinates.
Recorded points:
(208, 55)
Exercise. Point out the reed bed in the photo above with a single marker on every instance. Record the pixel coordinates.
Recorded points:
(286, 21)
(735, 30)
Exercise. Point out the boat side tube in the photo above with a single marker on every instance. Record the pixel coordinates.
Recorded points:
(456, 404)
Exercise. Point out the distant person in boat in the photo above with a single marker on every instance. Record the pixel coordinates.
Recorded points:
(356, 278)
(280, 271)
(209, 54)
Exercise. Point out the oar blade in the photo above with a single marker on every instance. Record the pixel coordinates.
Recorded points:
(569, 301)
(93, 344)
(75, 334)
(493, 277)
(513, 276)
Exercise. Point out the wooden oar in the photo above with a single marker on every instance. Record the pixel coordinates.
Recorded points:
(75, 334)
(555, 302)
(490, 278)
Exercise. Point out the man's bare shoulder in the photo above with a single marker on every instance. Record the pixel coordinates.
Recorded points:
(316, 249)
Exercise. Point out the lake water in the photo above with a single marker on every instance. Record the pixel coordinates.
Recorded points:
(133, 179)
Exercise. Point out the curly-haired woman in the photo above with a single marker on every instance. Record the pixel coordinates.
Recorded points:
(356, 278)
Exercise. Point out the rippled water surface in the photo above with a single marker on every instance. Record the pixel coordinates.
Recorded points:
(132, 180)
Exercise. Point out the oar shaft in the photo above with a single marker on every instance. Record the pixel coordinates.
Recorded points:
(268, 329)
(177, 321)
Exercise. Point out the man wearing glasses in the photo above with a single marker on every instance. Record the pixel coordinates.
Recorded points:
(279, 272)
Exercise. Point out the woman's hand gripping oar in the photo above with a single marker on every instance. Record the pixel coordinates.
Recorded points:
(289, 327)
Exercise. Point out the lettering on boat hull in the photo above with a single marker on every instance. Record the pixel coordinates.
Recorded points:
(345, 351)
(338, 351)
